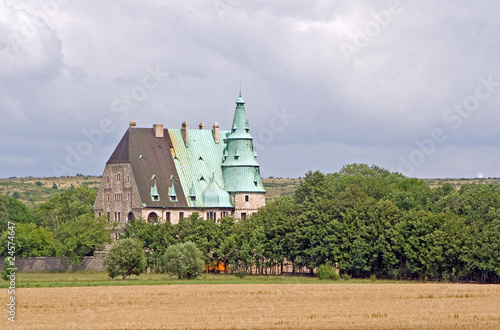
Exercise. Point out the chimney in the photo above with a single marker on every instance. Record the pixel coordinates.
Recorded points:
(158, 129)
(132, 124)
(216, 132)
(202, 126)
(185, 133)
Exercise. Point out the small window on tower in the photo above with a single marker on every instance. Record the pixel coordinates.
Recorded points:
(247, 198)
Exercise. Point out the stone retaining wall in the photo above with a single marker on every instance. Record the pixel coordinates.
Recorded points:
(47, 264)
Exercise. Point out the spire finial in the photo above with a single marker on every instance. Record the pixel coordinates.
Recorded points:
(240, 88)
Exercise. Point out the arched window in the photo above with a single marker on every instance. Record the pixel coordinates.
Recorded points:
(152, 217)
(130, 216)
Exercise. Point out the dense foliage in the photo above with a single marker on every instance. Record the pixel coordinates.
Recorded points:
(125, 258)
(184, 260)
(64, 226)
(369, 221)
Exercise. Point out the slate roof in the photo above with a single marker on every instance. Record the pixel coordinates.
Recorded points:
(151, 160)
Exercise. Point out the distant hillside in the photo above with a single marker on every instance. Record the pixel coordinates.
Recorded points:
(33, 191)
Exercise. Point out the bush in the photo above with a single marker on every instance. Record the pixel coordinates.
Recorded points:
(327, 272)
(241, 273)
(38, 183)
(373, 278)
(346, 276)
(125, 258)
(184, 260)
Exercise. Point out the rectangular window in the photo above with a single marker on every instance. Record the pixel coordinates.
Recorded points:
(243, 215)
(181, 215)
(109, 216)
(118, 216)
(247, 198)
(167, 216)
(108, 197)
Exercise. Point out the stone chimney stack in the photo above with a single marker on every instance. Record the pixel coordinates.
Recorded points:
(158, 129)
(216, 132)
(202, 126)
(185, 133)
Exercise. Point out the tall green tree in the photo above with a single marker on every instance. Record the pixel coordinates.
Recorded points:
(14, 211)
(66, 206)
(81, 236)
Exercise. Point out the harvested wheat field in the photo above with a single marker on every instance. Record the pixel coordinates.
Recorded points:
(261, 306)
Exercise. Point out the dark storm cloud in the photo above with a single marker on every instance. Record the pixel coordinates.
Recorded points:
(326, 83)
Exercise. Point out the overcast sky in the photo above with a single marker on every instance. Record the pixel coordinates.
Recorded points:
(410, 86)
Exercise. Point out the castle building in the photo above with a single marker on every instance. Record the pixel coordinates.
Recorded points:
(163, 175)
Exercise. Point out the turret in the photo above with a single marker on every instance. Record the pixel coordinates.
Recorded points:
(240, 167)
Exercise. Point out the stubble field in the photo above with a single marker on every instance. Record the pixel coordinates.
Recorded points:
(260, 306)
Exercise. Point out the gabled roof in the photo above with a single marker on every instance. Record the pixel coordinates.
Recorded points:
(151, 162)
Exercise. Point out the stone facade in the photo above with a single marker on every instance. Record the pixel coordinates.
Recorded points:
(245, 204)
(117, 197)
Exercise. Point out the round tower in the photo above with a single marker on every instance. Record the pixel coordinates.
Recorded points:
(240, 168)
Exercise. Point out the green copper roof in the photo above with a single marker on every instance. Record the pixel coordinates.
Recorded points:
(197, 163)
(240, 167)
(240, 128)
(215, 196)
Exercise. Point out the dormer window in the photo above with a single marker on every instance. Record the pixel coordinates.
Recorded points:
(172, 194)
(155, 197)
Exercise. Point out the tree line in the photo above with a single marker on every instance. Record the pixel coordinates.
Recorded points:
(366, 219)
(64, 226)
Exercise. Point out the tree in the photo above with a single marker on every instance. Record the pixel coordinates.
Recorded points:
(31, 241)
(65, 206)
(81, 236)
(156, 238)
(125, 258)
(13, 210)
(184, 260)
(205, 234)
